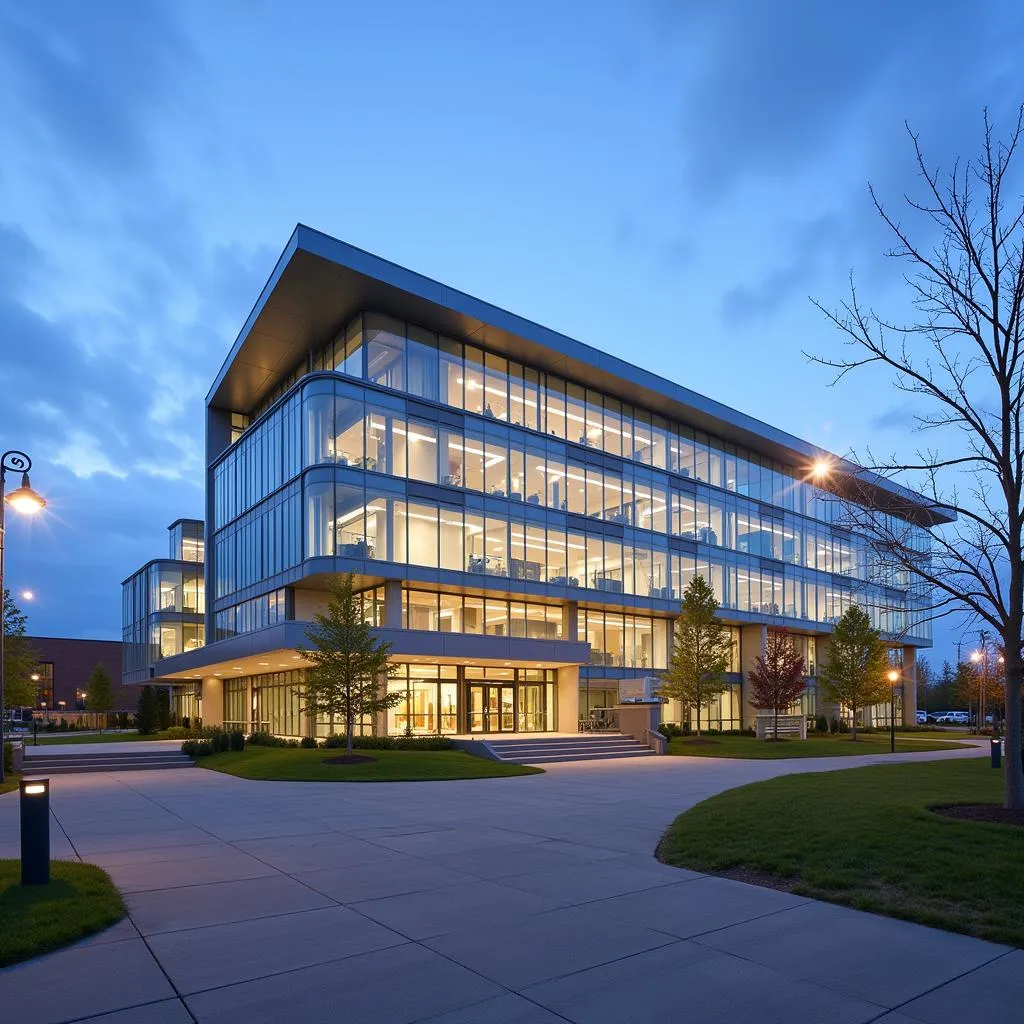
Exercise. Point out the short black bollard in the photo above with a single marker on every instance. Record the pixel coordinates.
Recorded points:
(35, 733)
(35, 831)
(997, 752)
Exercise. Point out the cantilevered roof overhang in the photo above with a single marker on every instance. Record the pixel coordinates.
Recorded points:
(319, 283)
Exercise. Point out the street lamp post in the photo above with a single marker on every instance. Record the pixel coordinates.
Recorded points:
(26, 501)
(894, 678)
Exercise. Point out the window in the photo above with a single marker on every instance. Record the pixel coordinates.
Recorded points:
(385, 351)
(496, 387)
(450, 374)
(474, 380)
(422, 535)
(421, 352)
(422, 451)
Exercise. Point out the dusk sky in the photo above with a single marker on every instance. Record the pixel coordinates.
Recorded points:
(669, 182)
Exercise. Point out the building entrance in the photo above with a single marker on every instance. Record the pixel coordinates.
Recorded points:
(491, 707)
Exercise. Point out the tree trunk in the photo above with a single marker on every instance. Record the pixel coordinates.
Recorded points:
(698, 717)
(776, 726)
(853, 722)
(349, 729)
(1013, 795)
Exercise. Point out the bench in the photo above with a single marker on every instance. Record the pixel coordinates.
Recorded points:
(790, 727)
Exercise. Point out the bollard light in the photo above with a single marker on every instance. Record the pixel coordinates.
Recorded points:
(35, 831)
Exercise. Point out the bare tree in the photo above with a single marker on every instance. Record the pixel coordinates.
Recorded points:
(961, 358)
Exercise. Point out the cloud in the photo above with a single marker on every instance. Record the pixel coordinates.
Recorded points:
(89, 86)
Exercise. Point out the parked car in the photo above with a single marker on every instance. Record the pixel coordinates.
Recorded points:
(922, 717)
(954, 718)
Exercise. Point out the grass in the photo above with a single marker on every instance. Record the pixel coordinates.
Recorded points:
(284, 764)
(813, 746)
(80, 900)
(865, 838)
(11, 780)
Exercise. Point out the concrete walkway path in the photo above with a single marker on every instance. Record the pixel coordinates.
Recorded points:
(529, 900)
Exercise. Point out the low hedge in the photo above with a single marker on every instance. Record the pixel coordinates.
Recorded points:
(391, 742)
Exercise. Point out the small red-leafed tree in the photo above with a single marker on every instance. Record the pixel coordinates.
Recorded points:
(778, 677)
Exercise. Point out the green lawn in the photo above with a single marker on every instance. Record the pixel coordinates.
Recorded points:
(11, 780)
(79, 901)
(865, 838)
(289, 765)
(813, 746)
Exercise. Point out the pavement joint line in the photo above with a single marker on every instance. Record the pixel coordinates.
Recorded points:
(295, 970)
(122, 1009)
(949, 981)
(829, 988)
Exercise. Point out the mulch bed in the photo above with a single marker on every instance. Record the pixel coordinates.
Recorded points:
(982, 812)
(354, 759)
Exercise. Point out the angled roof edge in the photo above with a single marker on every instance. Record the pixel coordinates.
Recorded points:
(493, 326)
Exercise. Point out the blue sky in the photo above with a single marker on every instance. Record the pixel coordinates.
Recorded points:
(667, 181)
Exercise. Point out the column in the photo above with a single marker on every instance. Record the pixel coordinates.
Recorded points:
(570, 620)
(213, 701)
(393, 604)
(752, 641)
(910, 686)
(567, 696)
(824, 706)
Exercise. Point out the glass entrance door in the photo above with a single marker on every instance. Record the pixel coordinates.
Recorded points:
(491, 708)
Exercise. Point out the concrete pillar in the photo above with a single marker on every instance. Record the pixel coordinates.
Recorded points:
(567, 697)
(393, 604)
(213, 701)
(824, 706)
(752, 641)
(570, 620)
(380, 719)
(910, 686)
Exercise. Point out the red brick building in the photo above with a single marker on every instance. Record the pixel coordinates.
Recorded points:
(64, 668)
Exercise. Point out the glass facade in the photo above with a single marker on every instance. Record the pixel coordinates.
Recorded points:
(484, 496)
(163, 605)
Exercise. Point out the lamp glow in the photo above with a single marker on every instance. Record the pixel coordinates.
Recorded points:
(24, 499)
(35, 789)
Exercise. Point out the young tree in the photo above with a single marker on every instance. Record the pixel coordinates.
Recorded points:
(19, 658)
(147, 717)
(701, 651)
(962, 361)
(349, 664)
(856, 673)
(163, 708)
(778, 676)
(99, 693)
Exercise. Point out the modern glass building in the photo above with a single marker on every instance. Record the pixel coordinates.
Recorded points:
(163, 605)
(521, 513)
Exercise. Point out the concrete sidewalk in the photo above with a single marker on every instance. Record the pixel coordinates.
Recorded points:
(514, 901)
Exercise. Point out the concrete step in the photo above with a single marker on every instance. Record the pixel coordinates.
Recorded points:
(100, 761)
(552, 749)
(565, 744)
(586, 756)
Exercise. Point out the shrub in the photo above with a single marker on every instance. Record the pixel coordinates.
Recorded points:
(670, 730)
(392, 742)
(844, 726)
(265, 739)
(821, 724)
(237, 739)
(8, 757)
(197, 748)
(179, 732)
(834, 725)
(307, 743)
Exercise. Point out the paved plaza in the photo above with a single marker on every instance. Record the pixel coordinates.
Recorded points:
(530, 900)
